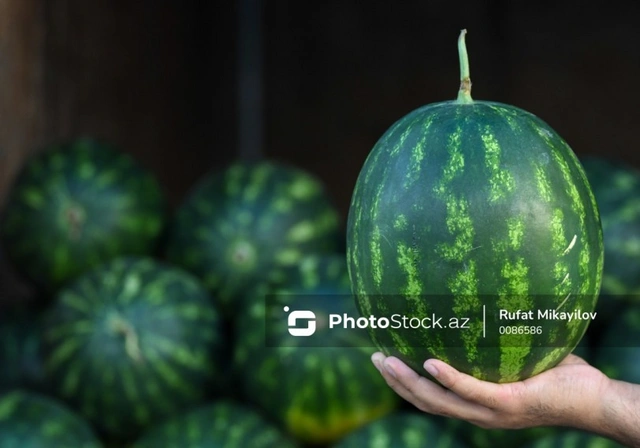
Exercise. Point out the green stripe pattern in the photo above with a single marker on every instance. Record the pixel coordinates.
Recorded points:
(76, 205)
(401, 430)
(319, 392)
(574, 439)
(460, 206)
(132, 341)
(248, 222)
(223, 424)
(29, 420)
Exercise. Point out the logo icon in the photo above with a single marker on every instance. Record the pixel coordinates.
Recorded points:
(294, 316)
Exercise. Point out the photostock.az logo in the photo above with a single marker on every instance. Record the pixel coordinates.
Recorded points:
(294, 316)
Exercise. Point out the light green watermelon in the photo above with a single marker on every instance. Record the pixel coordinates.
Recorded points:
(247, 223)
(132, 342)
(223, 424)
(28, 420)
(465, 209)
(76, 205)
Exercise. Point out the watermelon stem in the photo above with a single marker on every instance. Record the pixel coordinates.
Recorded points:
(464, 94)
(131, 341)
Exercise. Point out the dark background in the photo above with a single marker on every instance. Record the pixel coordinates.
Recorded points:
(161, 78)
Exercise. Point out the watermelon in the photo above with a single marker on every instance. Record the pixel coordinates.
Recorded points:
(243, 224)
(321, 387)
(21, 351)
(574, 439)
(616, 187)
(466, 211)
(131, 342)
(77, 205)
(618, 351)
(401, 430)
(224, 424)
(478, 437)
(29, 420)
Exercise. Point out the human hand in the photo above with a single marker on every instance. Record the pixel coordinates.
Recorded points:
(569, 394)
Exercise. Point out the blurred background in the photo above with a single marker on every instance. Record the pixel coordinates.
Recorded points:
(187, 86)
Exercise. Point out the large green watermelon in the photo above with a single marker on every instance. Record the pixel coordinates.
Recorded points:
(617, 354)
(465, 208)
(574, 439)
(132, 342)
(77, 205)
(21, 350)
(616, 187)
(29, 420)
(224, 424)
(318, 387)
(478, 437)
(249, 221)
(401, 430)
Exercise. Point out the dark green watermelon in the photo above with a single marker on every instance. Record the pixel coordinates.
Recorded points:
(224, 424)
(132, 342)
(574, 439)
(478, 437)
(21, 350)
(465, 209)
(77, 205)
(401, 430)
(617, 354)
(243, 224)
(28, 420)
(318, 388)
(616, 187)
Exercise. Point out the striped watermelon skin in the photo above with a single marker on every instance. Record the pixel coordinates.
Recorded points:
(225, 424)
(463, 205)
(28, 420)
(617, 354)
(250, 221)
(574, 439)
(478, 437)
(77, 205)
(317, 392)
(131, 342)
(401, 430)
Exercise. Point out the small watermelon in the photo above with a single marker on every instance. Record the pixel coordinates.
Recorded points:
(224, 424)
(464, 210)
(28, 420)
(574, 439)
(131, 342)
(77, 205)
(249, 221)
(401, 430)
(321, 388)
(21, 351)
(618, 351)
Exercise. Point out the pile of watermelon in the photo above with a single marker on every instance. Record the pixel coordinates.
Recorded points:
(212, 324)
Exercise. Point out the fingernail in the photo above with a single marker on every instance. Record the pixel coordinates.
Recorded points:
(431, 369)
(390, 370)
(376, 361)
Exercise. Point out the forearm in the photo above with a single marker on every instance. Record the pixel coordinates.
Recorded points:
(618, 414)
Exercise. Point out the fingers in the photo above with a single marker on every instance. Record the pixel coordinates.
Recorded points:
(472, 389)
(572, 359)
(426, 395)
